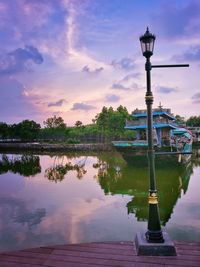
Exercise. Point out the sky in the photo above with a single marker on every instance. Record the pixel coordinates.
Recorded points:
(70, 58)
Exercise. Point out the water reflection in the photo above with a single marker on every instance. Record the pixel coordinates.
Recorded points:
(26, 165)
(127, 175)
(132, 179)
(62, 165)
(83, 198)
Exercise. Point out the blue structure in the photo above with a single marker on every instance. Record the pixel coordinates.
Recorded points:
(163, 123)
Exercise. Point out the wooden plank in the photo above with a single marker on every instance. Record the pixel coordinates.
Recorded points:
(14, 264)
(104, 245)
(27, 254)
(88, 254)
(74, 261)
(113, 259)
(100, 254)
(43, 250)
(17, 259)
(101, 250)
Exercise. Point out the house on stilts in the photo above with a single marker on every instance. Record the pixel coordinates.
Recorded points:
(163, 123)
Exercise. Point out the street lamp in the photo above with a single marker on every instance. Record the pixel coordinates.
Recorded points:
(154, 241)
(154, 233)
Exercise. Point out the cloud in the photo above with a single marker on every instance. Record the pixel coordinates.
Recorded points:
(165, 90)
(126, 87)
(58, 103)
(19, 60)
(92, 71)
(119, 86)
(82, 106)
(14, 104)
(177, 21)
(191, 55)
(196, 98)
(77, 53)
(112, 98)
(124, 63)
(130, 76)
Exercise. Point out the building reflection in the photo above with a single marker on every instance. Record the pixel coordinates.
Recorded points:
(132, 179)
(117, 174)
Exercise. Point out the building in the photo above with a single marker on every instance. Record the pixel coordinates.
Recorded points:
(163, 122)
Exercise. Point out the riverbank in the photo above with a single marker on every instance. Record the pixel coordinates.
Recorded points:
(44, 147)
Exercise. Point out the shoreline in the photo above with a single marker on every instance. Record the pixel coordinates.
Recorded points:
(42, 147)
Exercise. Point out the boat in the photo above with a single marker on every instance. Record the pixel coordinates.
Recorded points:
(181, 140)
(168, 136)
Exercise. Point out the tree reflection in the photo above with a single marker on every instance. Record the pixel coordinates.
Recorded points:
(26, 165)
(196, 156)
(172, 182)
(62, 166)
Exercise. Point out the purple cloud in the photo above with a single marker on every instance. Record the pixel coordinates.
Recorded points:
(191, 55)
(165, 90)
(112, 98)
(124, 63)
(58, 103)
(14, 106)
(196, 98)
(119, 86)
(82, 106)
(19, 60)
(131, 76)
(94, 71)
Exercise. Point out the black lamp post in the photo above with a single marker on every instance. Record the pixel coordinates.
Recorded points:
(154, 232)
(154, 241)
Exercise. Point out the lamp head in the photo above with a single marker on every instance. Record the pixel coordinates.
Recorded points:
(147, 43)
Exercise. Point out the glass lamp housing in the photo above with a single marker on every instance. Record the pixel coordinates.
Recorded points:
(147, 43)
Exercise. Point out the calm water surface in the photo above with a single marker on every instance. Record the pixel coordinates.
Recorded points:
(75, 198)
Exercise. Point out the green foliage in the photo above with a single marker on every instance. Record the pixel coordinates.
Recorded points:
(55, 129)
(193, 121)
(4, 130)
(54, 122)
(180, 120)
(27, 130)
(108, 125)
(78, 123)
(26, 165)
(112, 122)
(56, 134)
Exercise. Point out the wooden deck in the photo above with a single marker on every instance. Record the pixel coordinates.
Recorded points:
(100, 254)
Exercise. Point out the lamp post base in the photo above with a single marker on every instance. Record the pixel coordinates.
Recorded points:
(143, 247)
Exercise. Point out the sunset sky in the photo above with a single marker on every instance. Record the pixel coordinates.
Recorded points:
(71, 57)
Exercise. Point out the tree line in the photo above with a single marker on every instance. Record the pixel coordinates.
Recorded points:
(106, 126)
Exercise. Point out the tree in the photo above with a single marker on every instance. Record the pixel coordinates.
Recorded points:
(4, 130)
(27, 130)
(193, 121)
(55, 122)
(78, 123)
(112, 122)
(180, 120)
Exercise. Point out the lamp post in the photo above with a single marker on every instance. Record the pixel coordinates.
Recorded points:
(154, 232)
(154, 241)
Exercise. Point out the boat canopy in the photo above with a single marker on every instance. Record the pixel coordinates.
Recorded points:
(155, 125)
(155, 113)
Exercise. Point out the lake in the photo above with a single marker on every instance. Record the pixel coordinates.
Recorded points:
(73, 198)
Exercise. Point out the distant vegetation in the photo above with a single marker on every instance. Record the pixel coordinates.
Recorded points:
(106, 126)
